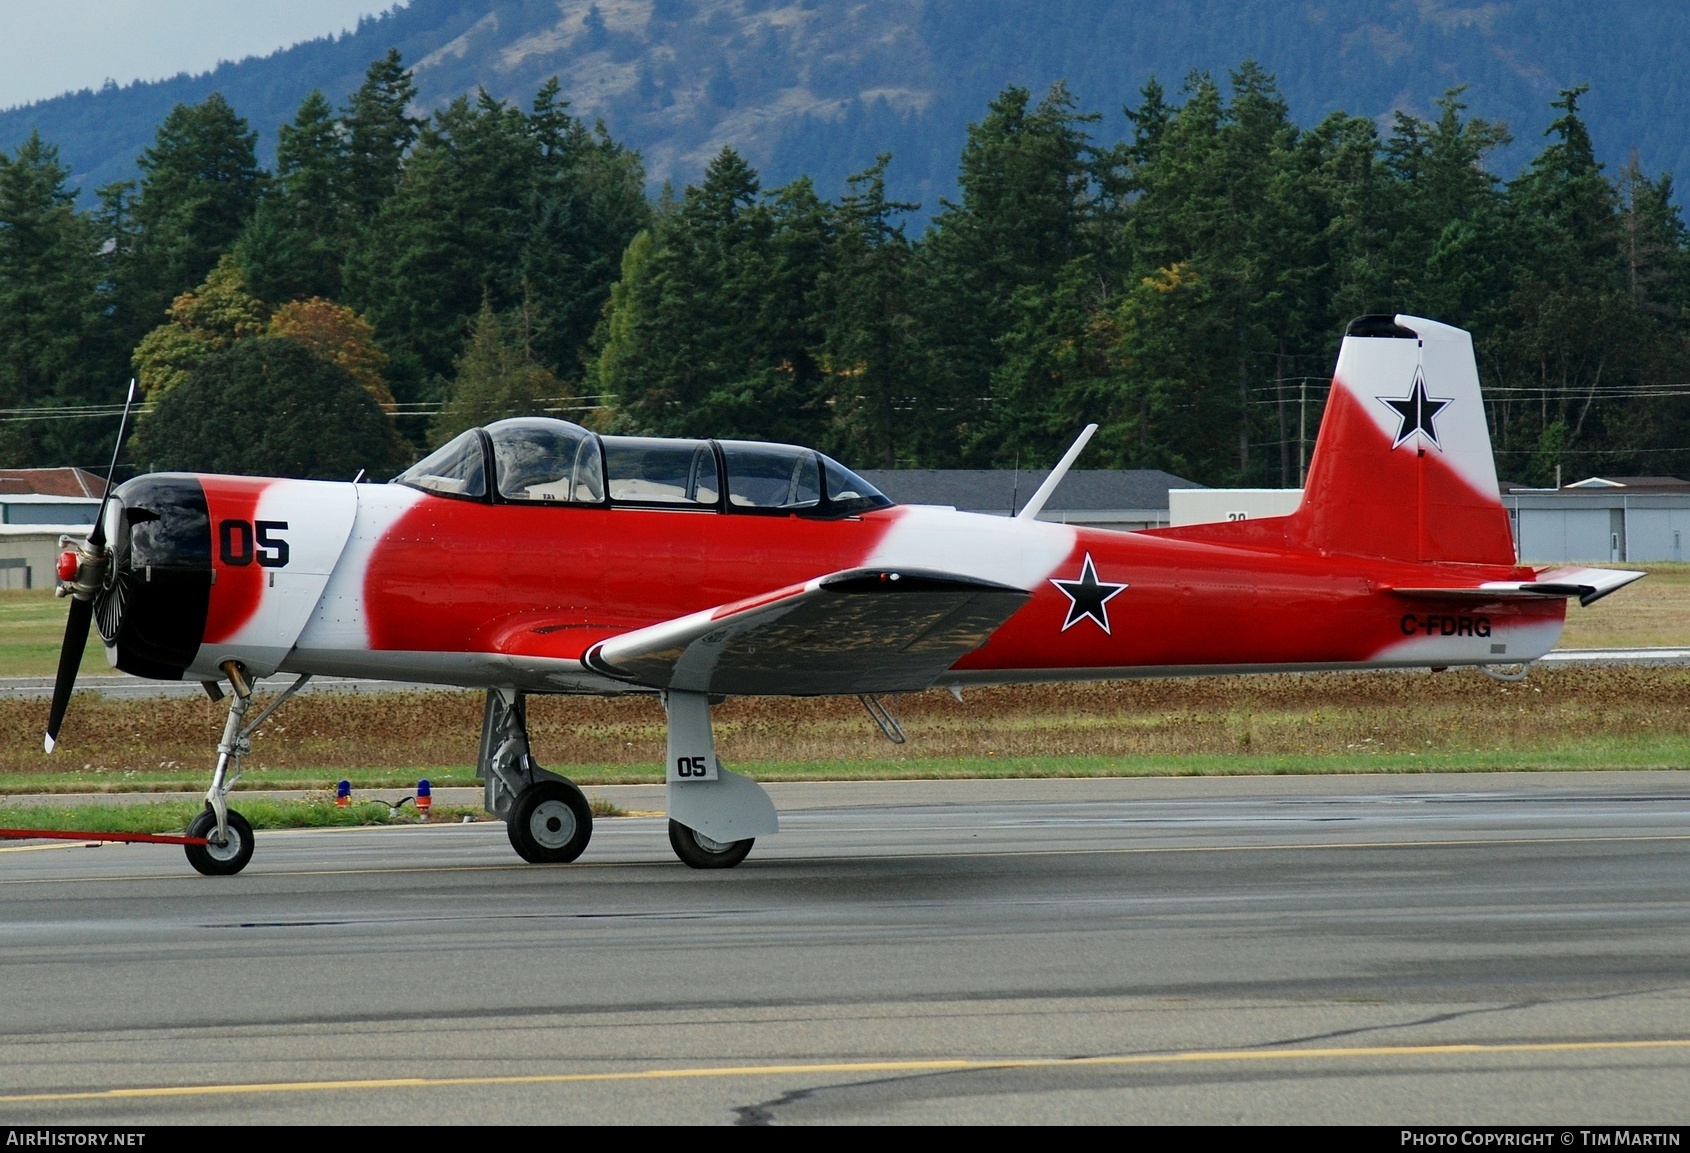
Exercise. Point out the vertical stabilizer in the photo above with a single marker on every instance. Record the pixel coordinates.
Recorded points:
(1402, 467)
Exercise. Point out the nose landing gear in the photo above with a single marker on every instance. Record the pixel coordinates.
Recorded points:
(228, 836)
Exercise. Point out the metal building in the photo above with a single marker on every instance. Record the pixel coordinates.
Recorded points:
(1118, 498)
(1604, 519)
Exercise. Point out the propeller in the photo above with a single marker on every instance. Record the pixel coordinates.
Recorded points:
(82, 572)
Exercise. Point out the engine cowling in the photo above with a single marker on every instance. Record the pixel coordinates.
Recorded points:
(152, 603)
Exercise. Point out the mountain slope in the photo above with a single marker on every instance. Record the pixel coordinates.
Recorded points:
(803, 86)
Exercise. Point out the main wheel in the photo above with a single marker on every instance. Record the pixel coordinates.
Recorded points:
(550, 824)
(223, 860)
(700, 852)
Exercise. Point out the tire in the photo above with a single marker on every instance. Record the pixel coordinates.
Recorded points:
(700, 852)
(550, 824)
(220, 860)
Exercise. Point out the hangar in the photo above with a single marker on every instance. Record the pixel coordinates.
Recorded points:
(1620, 518)
(1604, 519)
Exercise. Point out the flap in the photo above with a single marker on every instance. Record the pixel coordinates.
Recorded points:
(1587, 584)
(859, 631)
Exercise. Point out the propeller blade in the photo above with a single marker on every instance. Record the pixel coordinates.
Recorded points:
(70, 658)
(97, 538)
(82, 603)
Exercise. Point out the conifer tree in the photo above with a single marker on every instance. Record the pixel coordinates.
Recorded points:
(1572, 323)
(715, 333)
(200, 183)
(1230, 195)
(50, 316)
(294, 246)
(1027, 181)
(868, 338)
(378, 133)
(586, 203)
(449, 236)
(497, 377)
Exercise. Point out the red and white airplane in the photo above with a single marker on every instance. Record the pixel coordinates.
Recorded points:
(532, 556)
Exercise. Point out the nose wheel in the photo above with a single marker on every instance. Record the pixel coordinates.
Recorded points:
(550, 824)
(225, 854)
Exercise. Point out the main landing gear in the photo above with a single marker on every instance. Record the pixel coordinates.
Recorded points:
(715, 816)
(700, 852)
(547, 819)
(228, 836)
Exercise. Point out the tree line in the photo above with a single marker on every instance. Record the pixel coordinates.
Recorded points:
(1185, 286)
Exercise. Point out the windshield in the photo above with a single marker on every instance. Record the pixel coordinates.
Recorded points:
(540, 459)
(849, 493)
(454, 469)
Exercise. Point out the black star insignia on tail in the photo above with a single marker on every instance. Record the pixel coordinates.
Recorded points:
(1417, 412)
(1088, 597)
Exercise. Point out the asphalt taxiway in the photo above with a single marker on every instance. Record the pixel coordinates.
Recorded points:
(1399, 949)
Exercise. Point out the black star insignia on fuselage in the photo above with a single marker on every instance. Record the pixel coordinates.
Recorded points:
(1087, 597)
(1417, 412)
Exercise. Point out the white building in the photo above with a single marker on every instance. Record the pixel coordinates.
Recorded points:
(37, 506)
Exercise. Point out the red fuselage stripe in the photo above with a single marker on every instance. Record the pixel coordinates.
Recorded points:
(236, 588)
(455, 576)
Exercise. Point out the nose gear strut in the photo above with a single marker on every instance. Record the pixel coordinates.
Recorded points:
(229, 840)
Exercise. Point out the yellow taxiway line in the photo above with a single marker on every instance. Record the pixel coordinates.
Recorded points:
(824, 1068)
(54, 845)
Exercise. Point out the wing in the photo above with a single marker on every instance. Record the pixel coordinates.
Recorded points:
(1587, 584)
(859, 631)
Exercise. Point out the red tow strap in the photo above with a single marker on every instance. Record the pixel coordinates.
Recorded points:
(131, 838)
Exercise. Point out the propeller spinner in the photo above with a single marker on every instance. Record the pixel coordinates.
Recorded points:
(82, 572)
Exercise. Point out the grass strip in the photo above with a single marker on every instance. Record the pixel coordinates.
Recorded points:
(173, 816)
(1647, 752)
(261, 812)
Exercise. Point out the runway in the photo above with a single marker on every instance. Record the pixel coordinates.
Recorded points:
(1451, 949)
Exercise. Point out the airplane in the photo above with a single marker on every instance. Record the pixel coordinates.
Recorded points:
(534, 556)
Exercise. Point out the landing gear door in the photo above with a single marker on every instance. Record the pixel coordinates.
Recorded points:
(271, 560)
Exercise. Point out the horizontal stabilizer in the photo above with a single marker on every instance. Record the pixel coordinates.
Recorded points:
(859, 631)
(1587, 584)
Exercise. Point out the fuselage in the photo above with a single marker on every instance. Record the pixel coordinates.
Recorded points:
(394, 582)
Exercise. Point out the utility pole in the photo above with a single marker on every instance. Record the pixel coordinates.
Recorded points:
(1303, 434)
(1284, 435)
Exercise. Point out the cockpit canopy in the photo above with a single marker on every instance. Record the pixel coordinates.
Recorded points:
(540, 460)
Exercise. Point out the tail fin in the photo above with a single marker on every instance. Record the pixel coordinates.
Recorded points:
(1402, 467)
